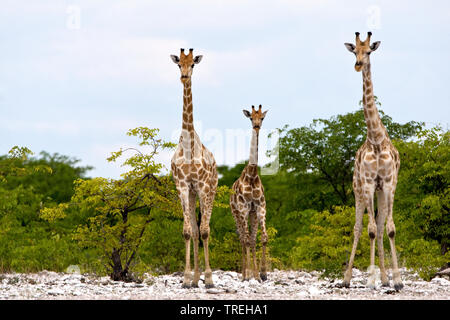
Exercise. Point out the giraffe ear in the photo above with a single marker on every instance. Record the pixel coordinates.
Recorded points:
(175, 59)
(264, 115)
(375, 45)
(197, 59)
(350, 47)
(247, 114)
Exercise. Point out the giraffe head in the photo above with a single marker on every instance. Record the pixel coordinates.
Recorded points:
(186, 63)
(256, 116)
(362, 50)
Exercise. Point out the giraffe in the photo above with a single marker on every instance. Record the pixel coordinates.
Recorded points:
(377, 163)
(195, 174)
(248, 202)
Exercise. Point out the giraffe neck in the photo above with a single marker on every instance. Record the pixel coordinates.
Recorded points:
(253, 160)
(187, 132)
(376, 132)
(188, 113)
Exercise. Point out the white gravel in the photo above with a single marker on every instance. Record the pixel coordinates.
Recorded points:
(279, 285)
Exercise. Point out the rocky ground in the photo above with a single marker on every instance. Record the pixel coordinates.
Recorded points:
(279, 285)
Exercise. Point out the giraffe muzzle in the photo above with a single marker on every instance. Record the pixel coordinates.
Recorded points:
(184, 78)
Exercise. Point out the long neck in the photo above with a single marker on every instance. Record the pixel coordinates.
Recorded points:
(187, 133)
(253, 160)
(188, 114)
(376, 132)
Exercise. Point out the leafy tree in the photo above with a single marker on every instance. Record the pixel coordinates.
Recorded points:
(13, 164)
(423, 192)
(27, 243)
(327, 244)
(327, 149)
(52, 216)
(57, 186)
(122, 208)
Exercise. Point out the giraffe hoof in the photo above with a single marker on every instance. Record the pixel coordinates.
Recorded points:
(386, 284)
(398, 286)
(343, 284)
(194, 285)
(186, 286)
(263, 276)
(209, 286)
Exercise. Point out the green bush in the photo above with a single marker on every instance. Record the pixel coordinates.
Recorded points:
(162, 249)
(327, 245)
(424, 257)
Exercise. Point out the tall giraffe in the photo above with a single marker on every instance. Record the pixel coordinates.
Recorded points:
(377, 163)
(195, 174)
(248, 201)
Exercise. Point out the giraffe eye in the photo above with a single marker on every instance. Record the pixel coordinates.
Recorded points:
(192, 66)
(179, 66)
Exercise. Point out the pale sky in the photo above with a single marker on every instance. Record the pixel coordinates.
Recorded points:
(76, 75)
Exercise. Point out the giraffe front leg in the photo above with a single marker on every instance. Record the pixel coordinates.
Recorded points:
(244, 261)
(245, 241)
(390, 228)
(206, 210)
(241, 218)
(253, 234)
(248, 265)
(357, 230)
(240, 231)
(369, 190)
(187, 269)
(381, 219)
(196, 277)
(195, 238)
(261, 212)
(183, 193)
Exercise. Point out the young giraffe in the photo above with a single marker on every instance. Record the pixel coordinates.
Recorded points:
(248, 201)
(376, 170)
(195, 174)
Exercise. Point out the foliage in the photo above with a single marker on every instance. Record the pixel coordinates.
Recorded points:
(327, 244)
(162, 249)
(27, 243)
(423, 192)
(424, 257)
(14, 164)
(327, 150)
(121, 209)
(53, 216)
(53, 176)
